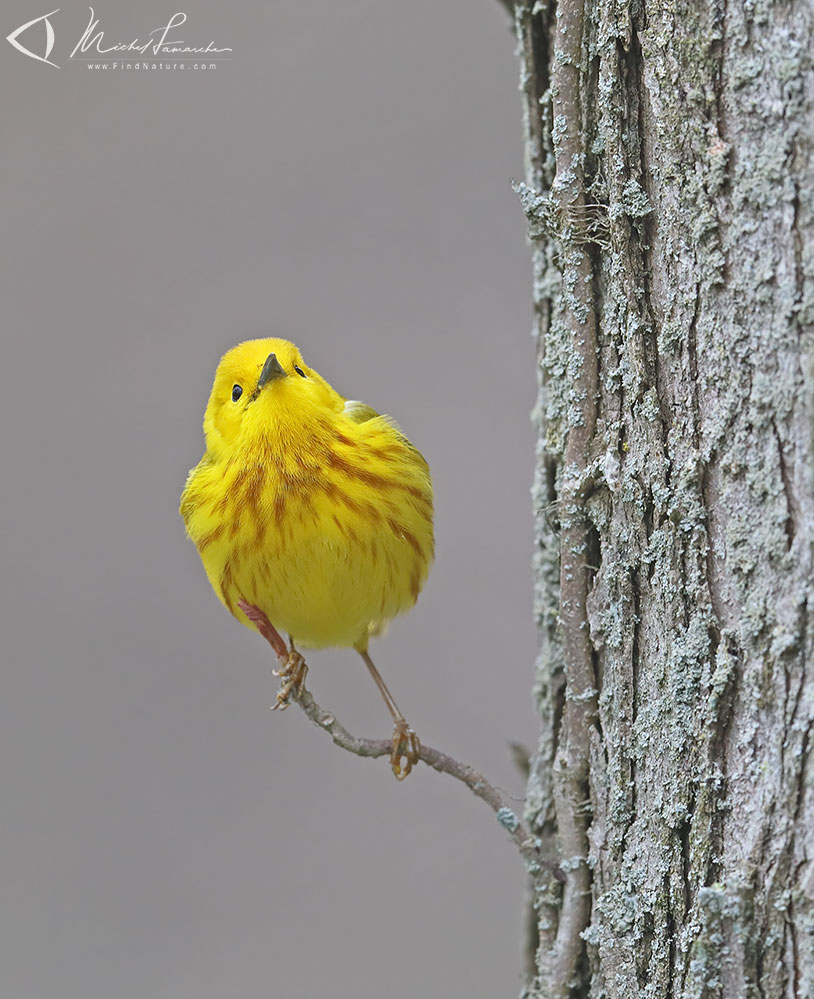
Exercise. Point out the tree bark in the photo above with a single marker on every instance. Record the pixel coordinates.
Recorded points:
(670, 197)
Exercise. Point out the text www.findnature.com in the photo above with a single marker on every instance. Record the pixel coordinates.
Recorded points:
(151, 65)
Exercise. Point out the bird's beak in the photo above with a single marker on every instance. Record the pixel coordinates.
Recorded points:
(271, 370)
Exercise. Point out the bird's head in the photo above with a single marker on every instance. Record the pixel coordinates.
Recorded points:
(260, 384)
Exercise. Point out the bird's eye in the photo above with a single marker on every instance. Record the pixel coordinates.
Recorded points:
(237, 392)
(300, 372)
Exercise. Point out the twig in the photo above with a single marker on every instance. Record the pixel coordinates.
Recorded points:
(293, 671)
(441, 762)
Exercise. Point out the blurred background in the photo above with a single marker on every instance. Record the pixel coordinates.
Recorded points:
(342, 180)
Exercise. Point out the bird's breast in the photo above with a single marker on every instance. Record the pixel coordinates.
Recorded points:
(328, 541)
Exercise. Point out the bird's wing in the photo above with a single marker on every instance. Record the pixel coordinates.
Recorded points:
(189, 497)
(360, 412)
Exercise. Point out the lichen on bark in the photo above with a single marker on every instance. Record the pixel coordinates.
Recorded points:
(697, 153)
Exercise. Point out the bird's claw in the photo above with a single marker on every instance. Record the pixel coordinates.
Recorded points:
(292, 676)
(405, 747)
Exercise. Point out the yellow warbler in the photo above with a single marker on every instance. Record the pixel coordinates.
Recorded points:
(312, 514)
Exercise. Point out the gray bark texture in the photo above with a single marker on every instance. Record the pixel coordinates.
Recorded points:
(669, 193)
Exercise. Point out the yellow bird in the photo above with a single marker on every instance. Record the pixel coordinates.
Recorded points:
(312, 514)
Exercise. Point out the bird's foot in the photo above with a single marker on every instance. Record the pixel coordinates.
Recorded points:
(292, 665)
(405, 747)
(292, 677)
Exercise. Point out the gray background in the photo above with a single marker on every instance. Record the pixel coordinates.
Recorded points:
(344, 181)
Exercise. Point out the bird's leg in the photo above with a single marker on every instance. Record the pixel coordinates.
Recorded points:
(292, 665)
(405, 742)
(265, 627)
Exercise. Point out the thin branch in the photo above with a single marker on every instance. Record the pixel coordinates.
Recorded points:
(441, 762)
(293, 670)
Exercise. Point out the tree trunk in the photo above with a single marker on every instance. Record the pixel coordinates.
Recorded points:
(670, 198)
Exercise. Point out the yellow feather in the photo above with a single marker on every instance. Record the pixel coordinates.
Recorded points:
(315, 510)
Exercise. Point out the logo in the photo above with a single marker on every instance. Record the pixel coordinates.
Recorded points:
(161, 43)
(49, 39)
